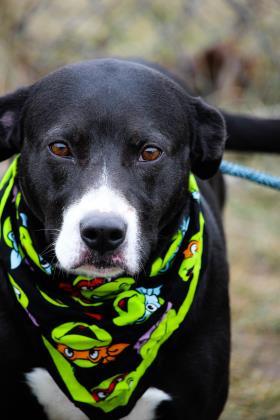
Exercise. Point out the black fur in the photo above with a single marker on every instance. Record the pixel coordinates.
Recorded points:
(106, 110)
(252, 134)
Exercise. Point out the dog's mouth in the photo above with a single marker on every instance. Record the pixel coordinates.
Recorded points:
(100, 266)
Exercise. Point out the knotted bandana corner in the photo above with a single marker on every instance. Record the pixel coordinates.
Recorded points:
(100, 335)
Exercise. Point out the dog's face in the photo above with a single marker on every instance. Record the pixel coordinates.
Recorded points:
(106, 149)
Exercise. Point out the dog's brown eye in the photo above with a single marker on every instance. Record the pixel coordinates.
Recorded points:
(150, 153)
(60, 149)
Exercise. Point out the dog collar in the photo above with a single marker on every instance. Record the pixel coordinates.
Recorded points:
(100, 337)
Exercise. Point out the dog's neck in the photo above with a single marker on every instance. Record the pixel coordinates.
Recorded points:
(169, 225)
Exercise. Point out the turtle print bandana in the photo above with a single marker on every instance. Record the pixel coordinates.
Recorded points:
(100, 336)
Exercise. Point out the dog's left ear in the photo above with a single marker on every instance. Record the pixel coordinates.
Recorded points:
(207, 144)
(11, 107)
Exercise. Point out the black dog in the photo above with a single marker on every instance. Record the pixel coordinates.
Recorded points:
(110, 137)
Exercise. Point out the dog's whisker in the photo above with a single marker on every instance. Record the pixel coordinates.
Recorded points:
(47, 230)
(49, 249)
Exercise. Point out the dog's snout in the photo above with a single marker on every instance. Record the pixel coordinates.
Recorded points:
(103, 232)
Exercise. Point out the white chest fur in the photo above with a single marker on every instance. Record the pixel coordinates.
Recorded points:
(58, 407)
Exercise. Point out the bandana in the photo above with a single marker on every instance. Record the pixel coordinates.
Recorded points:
(100, 336)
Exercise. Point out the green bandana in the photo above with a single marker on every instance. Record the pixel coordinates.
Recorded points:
(100, 336)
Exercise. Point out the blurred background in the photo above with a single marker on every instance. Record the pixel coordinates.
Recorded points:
(227, 51)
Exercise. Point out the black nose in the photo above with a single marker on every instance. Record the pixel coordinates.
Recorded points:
(103, 232)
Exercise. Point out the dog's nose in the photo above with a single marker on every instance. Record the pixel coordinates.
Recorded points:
(103, 232)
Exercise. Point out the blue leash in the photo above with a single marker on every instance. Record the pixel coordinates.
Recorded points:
(241, 171)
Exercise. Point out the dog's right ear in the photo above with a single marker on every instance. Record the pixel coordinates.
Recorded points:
(11, 107)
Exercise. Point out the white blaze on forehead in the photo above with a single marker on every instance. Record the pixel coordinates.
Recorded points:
(69, 245)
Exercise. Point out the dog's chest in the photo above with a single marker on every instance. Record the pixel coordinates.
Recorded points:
(58, 407)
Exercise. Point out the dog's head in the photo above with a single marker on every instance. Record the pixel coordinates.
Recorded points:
(106, 149)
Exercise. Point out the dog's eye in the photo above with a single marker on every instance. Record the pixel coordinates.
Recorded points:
(60, 149)
(150, 153)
